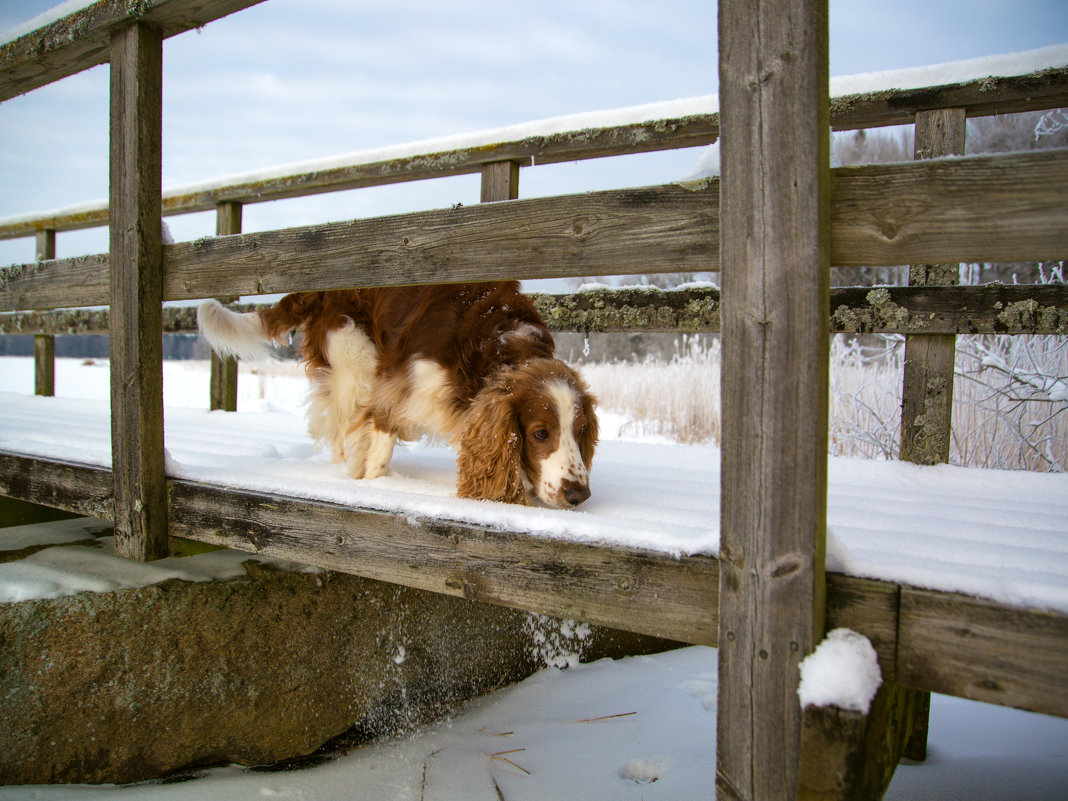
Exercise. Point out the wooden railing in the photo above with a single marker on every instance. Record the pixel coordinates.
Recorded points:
(766, 601)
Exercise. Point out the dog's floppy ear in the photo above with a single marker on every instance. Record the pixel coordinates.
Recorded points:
(589, 437)
(489, 465)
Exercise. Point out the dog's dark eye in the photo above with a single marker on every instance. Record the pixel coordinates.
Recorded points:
(540, 434)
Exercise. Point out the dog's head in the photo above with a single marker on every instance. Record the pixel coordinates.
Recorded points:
(530, 433)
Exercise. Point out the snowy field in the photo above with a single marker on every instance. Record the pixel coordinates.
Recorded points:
(641, 728)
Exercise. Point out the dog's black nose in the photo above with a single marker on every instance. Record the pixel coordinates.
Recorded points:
(577, 494)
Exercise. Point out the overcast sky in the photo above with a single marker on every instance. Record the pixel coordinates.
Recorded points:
(289, 80)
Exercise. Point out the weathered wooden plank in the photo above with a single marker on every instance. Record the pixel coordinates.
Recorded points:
(82, 489)
(1011, 94)
(1041, 90)
(44, 365)
(775, 196)
(500, 181)
(82, 39)
(870, 608)
(637, 591)
(136, 262)
(662, 228)
(987, 309)
(992, 208)
(978, 649)
(848, 755)
(983, 208)
(44, 345)
(948, 642)
(927, 392)
(55, 284)
(222, 388)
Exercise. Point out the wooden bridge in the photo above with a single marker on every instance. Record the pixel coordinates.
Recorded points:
(774, 223)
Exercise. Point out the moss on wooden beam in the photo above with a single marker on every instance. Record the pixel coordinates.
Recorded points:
(988, 309)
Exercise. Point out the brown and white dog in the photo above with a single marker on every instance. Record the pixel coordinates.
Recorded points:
(470, 363)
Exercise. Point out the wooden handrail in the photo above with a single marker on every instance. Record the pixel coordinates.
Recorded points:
(82, 39)
(1039, 90)
(983, 208)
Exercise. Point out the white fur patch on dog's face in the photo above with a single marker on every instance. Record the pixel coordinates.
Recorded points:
(562, 479)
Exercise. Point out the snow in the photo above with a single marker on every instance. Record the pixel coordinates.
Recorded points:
(995, 534)
(641, 728)
(843, 672)
(55, 572)
(636, 728)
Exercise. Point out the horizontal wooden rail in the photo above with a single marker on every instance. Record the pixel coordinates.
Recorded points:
(990, 208)
(987, 309)
(931, 640)
(1045, 89)
(1040, 90)
(82, 39)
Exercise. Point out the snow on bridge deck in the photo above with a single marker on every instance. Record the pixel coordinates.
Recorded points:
(1001, 535)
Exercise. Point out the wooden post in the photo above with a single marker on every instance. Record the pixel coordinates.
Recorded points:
(927, 396)
(44, 345)
(223, 387)
(136, 259)
(927, 391)
(500, 181)
(774, 252)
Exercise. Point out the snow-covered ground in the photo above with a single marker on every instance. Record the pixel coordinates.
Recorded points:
(637, 728)
(997, 534)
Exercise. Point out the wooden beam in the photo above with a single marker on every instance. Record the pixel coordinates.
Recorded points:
(44, 365)
(223, 380)
(927, 385)
(136, 259)
(944, 642)
(82, 39)
(990, 208)
(927, 394)
(775, 196)
(500, 181)
(1041, 90)
(987, 309)
(983, 208)
(1045, 89)
(44, 345)
(974, 648)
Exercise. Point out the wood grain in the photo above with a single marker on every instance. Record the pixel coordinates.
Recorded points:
(979, 208)
(1041, 90)
(978, 649)
(136, 262)
(222, 390)
(927, 387)
(775, 194)
(945, 642)
(987, 309)
(990, 208)
(44, 345)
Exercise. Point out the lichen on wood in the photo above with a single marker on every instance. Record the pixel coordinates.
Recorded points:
(632, 309)
(1029, 316)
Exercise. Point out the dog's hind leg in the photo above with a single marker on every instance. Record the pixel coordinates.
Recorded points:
(340, 394)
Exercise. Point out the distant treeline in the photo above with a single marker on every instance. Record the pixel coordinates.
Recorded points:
(95, 346)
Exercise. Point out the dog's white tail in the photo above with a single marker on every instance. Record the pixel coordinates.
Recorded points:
(234, 333)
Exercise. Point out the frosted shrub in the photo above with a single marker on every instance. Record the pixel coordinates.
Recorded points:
(1011, 402)
(865, 396)
(1010, 398)
(677, 399)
